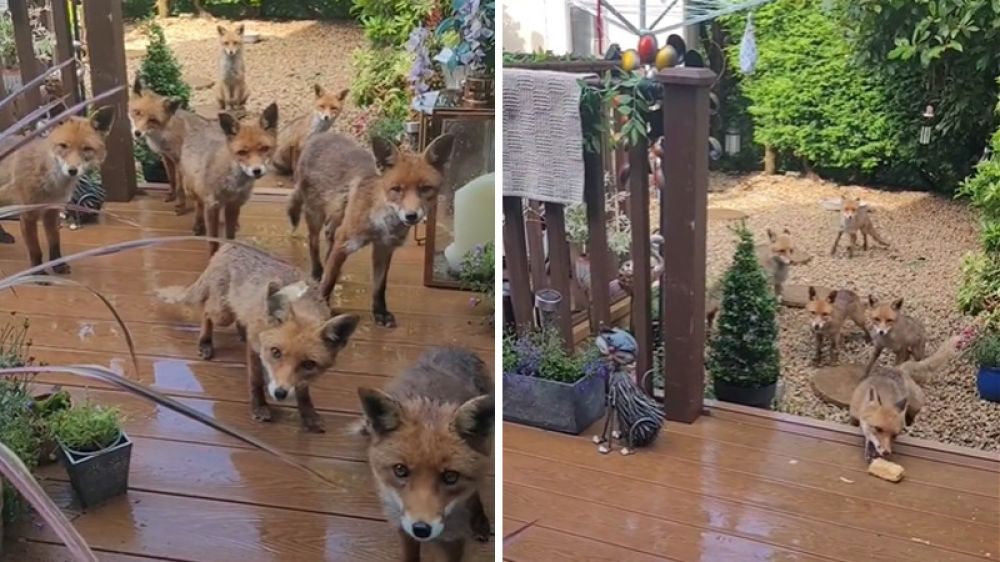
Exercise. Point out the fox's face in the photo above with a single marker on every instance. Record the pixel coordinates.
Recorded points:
(149, 112)
(328, 105)
(252, 144)
(78, 144)
(883, 316)
(849, 207)
(410, 182)
(881, 423)
(820, 310)
(231, 40)
(781, 246)
(427, 458)
(295, 349)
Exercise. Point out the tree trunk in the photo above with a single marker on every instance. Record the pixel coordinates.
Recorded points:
(770, 161)
(163, 8)
(199, 10)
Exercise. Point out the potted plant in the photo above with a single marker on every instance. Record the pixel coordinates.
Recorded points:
(470, 41)
(743, 358)
(95, 450)
(44, 406)
(477, 274)
(545, 387)
(20, 433)
(985, 352)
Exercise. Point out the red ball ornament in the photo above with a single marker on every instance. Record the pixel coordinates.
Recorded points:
(647, 48)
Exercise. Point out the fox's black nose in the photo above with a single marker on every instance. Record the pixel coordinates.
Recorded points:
(411, 217)
(137, 133)
(72, 171)
(421, 530)
(280, 393)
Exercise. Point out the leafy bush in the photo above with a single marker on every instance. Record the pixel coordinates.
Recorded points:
(743, 346)
(540, 354)
(388, 23)
(264, 9)
(138, 9)
(380, 81)
(160, 70)
(985, 350)
(86, 428)
(19, 428)
(478, 270)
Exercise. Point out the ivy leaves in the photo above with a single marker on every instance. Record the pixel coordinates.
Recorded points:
(629, 98)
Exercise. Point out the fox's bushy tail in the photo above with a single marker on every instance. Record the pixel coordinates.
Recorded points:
(295, 202)
(194, 294)
(921, 371)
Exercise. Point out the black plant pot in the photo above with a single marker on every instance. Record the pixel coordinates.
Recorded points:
(99, 476)
(760, 397)
(553, 405)
(154, 172)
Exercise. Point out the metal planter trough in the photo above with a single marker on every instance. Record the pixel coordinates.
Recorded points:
(552, 405)
(101, 475)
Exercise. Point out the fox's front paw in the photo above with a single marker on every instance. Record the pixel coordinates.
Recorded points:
(313, 424)
(317, 272)
(385, 318)
(206, 350)
(172, 196)
(199, 229)
(181, 210)
(61, 268)
(6, 237)
(261, 413)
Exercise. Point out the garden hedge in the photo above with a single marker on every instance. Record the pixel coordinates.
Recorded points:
(263, 9)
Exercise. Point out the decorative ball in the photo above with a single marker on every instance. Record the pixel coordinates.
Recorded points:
(630, 60)
(647, 48)
(666, 57)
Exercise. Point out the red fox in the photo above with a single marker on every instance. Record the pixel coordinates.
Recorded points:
(901, 333)
(855, 218)
(232, 92)
(292, 137)
(430, 442)
(163, 124)
(290, 336)
(366, 201)
(219, 168)
(827, 318)
(46, 171)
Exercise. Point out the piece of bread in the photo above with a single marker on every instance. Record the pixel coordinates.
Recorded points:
(886, 470)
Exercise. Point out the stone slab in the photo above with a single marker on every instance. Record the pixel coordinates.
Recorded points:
(835, 384)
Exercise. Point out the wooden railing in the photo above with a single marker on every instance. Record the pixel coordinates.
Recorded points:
(683, 205)
(107, 70)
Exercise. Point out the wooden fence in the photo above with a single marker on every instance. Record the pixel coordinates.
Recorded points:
(683, 206)
(105, 63)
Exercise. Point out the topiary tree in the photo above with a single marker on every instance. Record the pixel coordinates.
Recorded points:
(161, 73)
(743, 346)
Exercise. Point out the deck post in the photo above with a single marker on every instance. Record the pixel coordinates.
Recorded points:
(683, 215)
(515, 253)
(103, 19)
(597, 240)
(561, 276)
(64, 49)
(27, 63)
(638, 202)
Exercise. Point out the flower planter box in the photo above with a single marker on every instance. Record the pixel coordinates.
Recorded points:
(556, 406)
(100, 475)
(988, 383)
(761, 397)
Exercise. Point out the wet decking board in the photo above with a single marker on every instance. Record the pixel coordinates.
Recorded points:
(195, 494)
(741, 485)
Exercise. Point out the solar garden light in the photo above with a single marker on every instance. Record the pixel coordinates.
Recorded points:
(547, 302)
(925, 129)
(732, 140)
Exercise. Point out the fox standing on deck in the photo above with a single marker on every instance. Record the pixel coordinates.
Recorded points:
(232, 91)
(45, 172)
(366, 201)
(219, 167)
(290, 336)
(855, 218)
(430, 442)
(292, 138)
(164, 126)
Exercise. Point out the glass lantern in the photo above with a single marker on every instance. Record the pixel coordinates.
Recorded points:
(925, 129)
(732, 140)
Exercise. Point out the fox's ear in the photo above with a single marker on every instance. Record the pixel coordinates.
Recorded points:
(900, 405)
(786, 231)
(897, 304)
(278, 307)
(221, 30)
(473, 422)
(386, 153)
(770, 235)
(338, 329)
(239, 29)
(137, 86)
(873, 396)
(872, 301)
(319, 90)
(812, 292)
(382, 412)
(230, 125)
(172, 105)
(103, 119)
(832, 297)
(269, 119)
(343, 94)
(439, 151)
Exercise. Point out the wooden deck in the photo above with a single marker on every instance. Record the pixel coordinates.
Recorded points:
(740, 485)
(197, 495)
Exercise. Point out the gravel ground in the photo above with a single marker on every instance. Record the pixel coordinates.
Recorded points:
(929, 235)
(283, 66)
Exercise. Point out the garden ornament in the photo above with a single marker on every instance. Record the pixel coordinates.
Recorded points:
(632, 415)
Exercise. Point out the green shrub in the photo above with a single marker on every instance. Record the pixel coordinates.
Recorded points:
(985, 351)
(390, 127)
(743, 346)
(540, 353)
(138, 9)
(86, 428)
(21, 432)
(388, 23)
(380, 81)
(277, 9)
(160, 70)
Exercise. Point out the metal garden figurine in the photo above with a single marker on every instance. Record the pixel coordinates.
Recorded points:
(632, 416)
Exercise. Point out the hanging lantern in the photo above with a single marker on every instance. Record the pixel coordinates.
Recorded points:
(925, 129)
(732, 140)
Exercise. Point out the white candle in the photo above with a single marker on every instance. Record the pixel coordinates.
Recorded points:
(474, 218)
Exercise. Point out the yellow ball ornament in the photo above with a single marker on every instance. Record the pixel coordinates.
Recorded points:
(630, 60)
(666, 57)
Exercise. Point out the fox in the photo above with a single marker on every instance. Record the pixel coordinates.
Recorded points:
(163, 124)
(326, 108)
(430, 442)
(46, 171)
(827, 318)
(900, 333)
(219, 166)
(855, 218)
(888, 399)
(291, 336)
(775, 257)
(232, 92)
(366, 200)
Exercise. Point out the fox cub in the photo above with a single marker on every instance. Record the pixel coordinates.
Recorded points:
(292, 138)
(232, 92)
(855, 218)
(900, 333)
(366, 201)
(45, 172)
(430, 442)
(827, 318)
(776, 257)
(219, 168)
(883, 404)
(290, 336)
